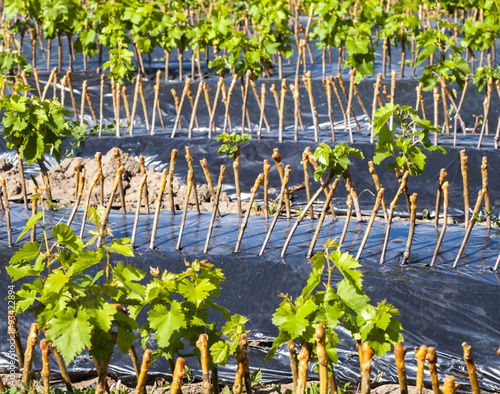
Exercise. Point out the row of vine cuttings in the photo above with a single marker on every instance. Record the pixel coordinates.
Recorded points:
(83, 298)
(253, 35)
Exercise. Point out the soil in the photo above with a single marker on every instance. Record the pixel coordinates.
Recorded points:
(62, 184)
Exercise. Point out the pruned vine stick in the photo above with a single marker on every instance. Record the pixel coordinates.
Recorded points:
(472, 221)
(278, 209)
(376, 206)
(322, 218)
(158, 207)
(104, 221)
(445, 222)
(216, 205)
(387, 231)
(253, 192)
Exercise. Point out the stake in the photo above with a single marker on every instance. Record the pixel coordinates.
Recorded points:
(63, 89)
(470, 226)
(265, 207)
(253, 191)
(465, 178)
(7, 210)
(82, 105)
(328, 89)
(45, 366)
(319, 336)
(399, 354)
(47, 86)
(211, 125)
(296, 111)
(244, 110)
(146, 193)
(195, 107)
(277, 158)
(216, 205)
(471, 368)
(204, 165)
(413, 214)
(497, 134)
(442, 175)
(305, 351)
(141, 378)
(158, 206)
(347, 219)
(125, 103)
(445, 224)
(402, 185)
(486, 107)
(190, 182)
(376, 90)
(352, 74)
(378, 186)
(260, 101)
(341, 83)
(189, 160)
(314, 113)
(420, 354)
(487, 206)
(101, 105)
(138, 208)
(315, 166)
(135, 360)
(207, 99)
(155, 102)
(178, 117)
(464, 90)
(98, 157)
(110, 203)
(71, 92)
(384, 56)
(227, 101)
(62, 368)
(96, 178)
(117, 97)
(378, 201)
(322, 218)
(403, 48)
(445, 105)
(304, 211)
(349, 184)
(134, 105)
(449, 386)
(170, 183)
(23, 180)
(305, 164)
(432, 361)
(81, 185)
(37, 82)
(436, 114)
(118, 164)
(34, 209)
(144, 105)
(339, 100)
(393, 93)
(278, 209)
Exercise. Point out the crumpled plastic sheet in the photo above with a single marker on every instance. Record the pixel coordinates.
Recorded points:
(440, 306)
(157, 149)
